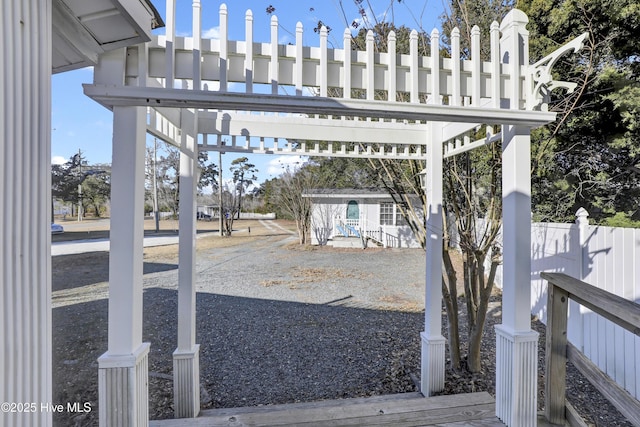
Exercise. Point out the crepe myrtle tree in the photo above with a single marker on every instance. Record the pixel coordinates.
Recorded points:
(290, 187)
(472, 181)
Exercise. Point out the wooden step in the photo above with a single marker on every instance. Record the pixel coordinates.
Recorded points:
(406, 409)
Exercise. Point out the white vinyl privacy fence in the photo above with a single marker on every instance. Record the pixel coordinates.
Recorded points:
(605, 257)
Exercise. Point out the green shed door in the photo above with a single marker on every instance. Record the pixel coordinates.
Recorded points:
(353, 211)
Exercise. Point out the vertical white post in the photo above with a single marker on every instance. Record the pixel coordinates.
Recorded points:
(197, 43)
(25, 209)
(495, 64)
(455, 67)
(414, 71)
(224, 46)
(186, 365)
(393, 70)
(299, 60)
(324, 61)
(579, 248)
(435, 67)
(370, 67)
(433, 343)
(123, 369)
(274, 66)
(248, 56)
(476, 69)
(516, 343)
(170, 40)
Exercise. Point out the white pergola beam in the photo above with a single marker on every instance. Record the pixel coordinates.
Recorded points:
(181, 98)
(490, 139)
(310, 128)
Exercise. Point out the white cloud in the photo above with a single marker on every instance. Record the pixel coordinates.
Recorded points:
(280, 164)
(58, 160)
(211, 33)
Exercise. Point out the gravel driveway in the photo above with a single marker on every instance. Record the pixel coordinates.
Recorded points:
(277, 323)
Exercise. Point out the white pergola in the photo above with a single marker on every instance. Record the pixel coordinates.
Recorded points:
(202, 94)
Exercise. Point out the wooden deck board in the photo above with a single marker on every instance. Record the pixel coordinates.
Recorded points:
(406, 409)
(307, 405)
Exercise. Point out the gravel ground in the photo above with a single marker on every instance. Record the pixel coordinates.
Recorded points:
(276, 323)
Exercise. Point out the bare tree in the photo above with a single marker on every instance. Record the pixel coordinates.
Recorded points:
(228, 211)
(322, 222)
(291, 187)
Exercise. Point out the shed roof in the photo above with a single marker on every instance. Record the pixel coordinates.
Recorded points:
(341, 193)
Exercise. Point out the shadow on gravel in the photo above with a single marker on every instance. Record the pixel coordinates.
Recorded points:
(89, 268)
(255, 351)
(252, 351)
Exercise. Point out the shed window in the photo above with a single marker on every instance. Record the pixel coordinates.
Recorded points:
(386, 213)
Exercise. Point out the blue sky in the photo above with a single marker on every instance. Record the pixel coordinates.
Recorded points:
(80, 123)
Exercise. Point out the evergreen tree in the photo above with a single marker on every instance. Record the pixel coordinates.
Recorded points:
(589, 157)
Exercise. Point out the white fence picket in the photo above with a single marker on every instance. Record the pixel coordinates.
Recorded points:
(607, 258)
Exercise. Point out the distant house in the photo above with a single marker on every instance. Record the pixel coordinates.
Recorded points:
(353, 217)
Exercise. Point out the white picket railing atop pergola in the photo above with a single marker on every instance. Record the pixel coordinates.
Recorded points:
(202, 94)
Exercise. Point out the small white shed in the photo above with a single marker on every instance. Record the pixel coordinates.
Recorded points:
(344, 216)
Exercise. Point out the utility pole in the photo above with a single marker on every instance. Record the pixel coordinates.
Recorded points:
(80, 185)
(220, 220)
(156, 215)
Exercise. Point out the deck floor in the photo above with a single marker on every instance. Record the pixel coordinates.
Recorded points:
(406, 409)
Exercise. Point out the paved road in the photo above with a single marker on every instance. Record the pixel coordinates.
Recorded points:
(102, 244)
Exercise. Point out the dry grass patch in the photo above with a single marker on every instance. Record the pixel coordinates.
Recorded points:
(317, 274)
(269, 283)
(402, 304)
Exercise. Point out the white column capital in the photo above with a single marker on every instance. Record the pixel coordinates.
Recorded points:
(108, 360)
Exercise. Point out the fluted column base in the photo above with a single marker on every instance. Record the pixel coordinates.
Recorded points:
(516, 377)
(186, 382)
(432, 366)
(123, 388)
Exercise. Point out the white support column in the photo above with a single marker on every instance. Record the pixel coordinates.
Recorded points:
(123, 369)
(433, 343)
(516, 343)
(186, 360)
(25, 210)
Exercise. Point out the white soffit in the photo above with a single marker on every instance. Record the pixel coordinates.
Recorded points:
(83, 29)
